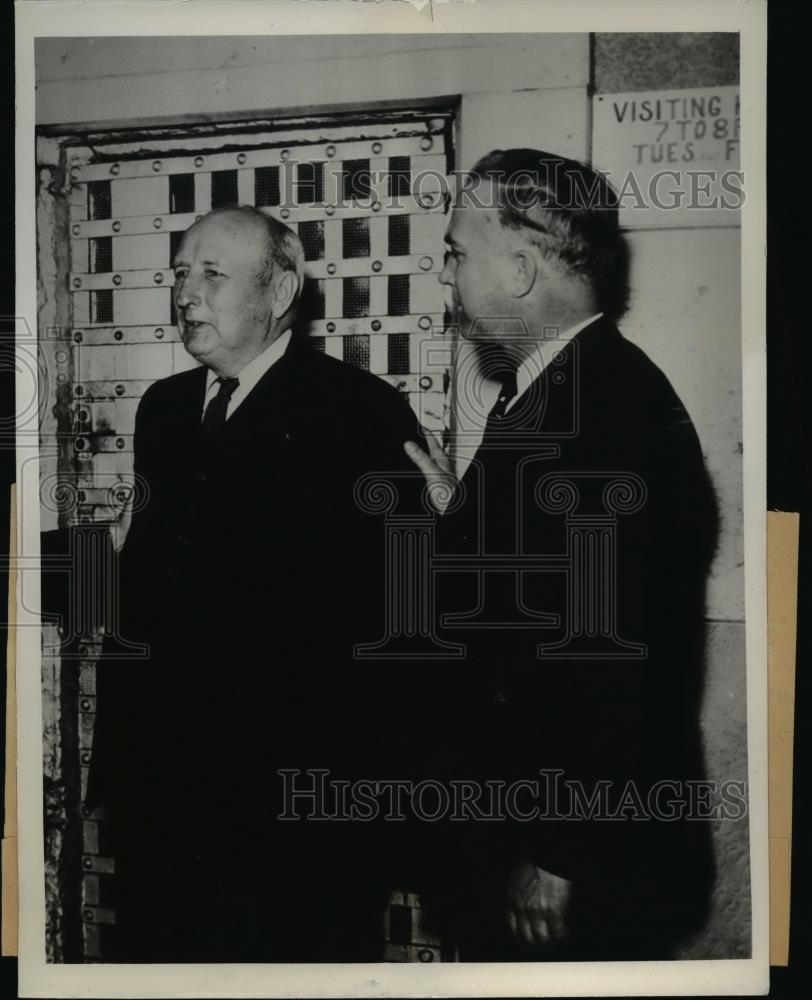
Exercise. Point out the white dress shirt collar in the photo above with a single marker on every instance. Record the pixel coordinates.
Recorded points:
(250, 375)
(535, 362)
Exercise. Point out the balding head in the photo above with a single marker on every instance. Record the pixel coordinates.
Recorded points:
(283, 249)
(238, 278)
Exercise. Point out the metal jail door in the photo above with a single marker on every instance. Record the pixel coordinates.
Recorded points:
(373, 239)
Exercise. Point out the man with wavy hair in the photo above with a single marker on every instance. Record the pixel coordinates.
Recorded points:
(589, 667)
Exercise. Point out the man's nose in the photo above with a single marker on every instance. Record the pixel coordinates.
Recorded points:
(446, 276)
(186, 291)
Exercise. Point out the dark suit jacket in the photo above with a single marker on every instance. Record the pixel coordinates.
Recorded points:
(601, 412)
(249, 571)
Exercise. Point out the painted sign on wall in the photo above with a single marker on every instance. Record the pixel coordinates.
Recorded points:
(672, 155)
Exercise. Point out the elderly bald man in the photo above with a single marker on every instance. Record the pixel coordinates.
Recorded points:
(248, 574)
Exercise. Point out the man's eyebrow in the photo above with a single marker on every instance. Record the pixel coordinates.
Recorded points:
(207, 263)
(449, 239)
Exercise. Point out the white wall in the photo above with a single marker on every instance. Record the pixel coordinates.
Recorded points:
(684, 311)
(110, 79)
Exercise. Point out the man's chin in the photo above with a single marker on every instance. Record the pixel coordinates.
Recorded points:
(499, 330)
(469, 329)
(477, 332)
(197, 343)
(477, 329)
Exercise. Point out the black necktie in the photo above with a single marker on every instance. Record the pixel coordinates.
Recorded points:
(215, 415)
(506, 393)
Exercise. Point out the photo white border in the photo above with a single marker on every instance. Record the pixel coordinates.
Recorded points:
(198, 17)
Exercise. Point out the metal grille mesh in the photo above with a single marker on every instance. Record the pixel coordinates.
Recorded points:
(400, 176)
(355, 238)
(356, 350)
(356, 180)
(311, 305)
(181, 193)
(266, 187)
(174, 242)
(356, 297)
(312, 236)
(399, 235)
(310, 183)
(98, 200)
(224, 188)
(397, 360)
(101, 254)
(398, 295)
(101, 306)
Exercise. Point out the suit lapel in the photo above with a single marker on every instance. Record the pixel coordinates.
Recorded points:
(187, 404)
(276, 397)
(551, 406)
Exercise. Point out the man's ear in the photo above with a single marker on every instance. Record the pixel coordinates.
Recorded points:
(286, 288)
(526, 272)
